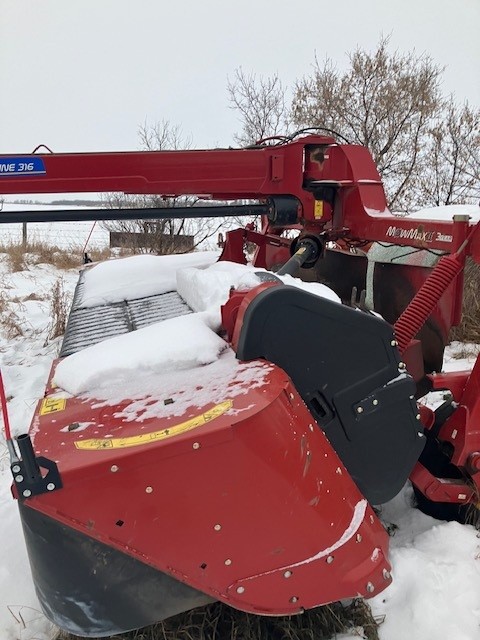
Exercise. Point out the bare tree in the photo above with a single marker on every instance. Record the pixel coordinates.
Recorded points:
(160, 236)
(162, 136)
(451, 168)
(261, 105)
(384, 101)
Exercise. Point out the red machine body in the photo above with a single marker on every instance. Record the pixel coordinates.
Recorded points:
(260, 500)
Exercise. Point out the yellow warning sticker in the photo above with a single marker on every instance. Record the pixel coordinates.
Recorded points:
(318, 209)
(52, 405)
(147, 438)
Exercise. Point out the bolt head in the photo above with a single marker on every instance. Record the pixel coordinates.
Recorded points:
(148, 489)
(375, 402)
(19, 478)
(228, 562)
(27, 493)
(240, 589)
(217, 527)
(16, 468)
(370, 588)
(50, 486)
(329, 559)
(294, 599)
(359, 409)
(196, 445)
(114, 468)
(386, 574)
(287, 574)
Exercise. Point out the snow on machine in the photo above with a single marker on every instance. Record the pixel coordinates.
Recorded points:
(241, 458)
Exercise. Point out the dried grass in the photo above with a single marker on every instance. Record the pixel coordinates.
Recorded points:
(220, 622)
(9, 320)
(16, 257)
(21, 257)
(59, 306)
(469, 328)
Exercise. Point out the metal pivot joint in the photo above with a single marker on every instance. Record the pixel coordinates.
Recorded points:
(306, 251)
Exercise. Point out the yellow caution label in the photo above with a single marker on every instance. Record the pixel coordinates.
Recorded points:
(52, 405)
(318, 209)
(147, 438)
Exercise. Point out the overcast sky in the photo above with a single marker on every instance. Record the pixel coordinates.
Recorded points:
(82, 75)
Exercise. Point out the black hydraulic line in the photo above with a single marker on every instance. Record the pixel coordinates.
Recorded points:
(151, 213)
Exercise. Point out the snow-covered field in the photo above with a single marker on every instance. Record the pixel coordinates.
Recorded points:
(435, 594)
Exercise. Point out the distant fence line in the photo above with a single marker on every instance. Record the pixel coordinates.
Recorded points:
(65, 235)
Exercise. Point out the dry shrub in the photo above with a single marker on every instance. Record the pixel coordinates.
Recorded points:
(16, 257)
(35, 252)
(10, 322)
(3, 302)
(59, 305)
(220, 622)
(49, 254)
(469, 328)
(99, 255)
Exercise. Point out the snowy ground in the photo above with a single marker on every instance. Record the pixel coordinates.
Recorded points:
(436, 566)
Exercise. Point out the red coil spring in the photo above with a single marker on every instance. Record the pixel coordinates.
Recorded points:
(412, 319)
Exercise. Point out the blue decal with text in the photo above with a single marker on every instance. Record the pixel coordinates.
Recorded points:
(26, 166)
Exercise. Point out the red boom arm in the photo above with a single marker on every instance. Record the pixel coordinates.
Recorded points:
(338, 188)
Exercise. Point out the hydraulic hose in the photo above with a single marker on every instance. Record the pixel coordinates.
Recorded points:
(415, 315)
(413, 318)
